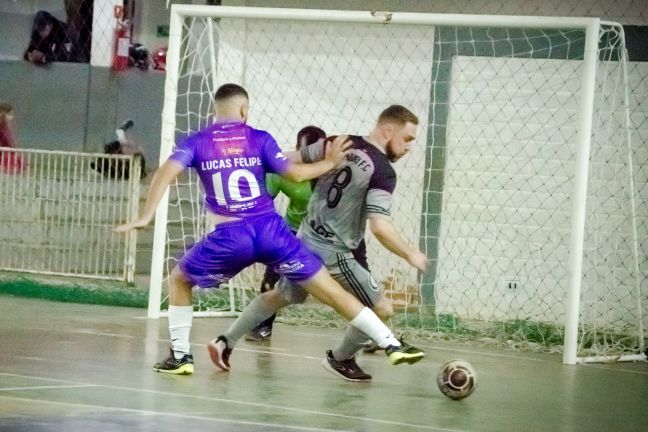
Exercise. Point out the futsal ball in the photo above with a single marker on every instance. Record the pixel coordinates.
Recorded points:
(457, 379)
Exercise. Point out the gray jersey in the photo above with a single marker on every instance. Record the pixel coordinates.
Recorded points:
(343, 198)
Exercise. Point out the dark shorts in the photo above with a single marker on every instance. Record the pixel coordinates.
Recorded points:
(349, 269)
(233, 246)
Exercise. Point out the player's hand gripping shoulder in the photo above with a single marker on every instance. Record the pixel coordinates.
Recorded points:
(334, 154)
(337, 149)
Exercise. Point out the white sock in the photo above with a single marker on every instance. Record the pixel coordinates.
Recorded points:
(180, 318)
(121, 136)
(369, 323)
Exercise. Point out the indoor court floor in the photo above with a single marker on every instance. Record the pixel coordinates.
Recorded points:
(70, 367)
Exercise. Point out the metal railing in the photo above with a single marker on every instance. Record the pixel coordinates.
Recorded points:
(57, 210)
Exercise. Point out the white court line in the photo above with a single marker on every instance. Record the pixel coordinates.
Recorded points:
(45, 387)
(429, 347)
(610, 368)
(275, 351)
(368, 358)
(262, 351)
(176, 415)
(365, 358)
(486, 354)
(98, 333)
(278, 408)
(272, 350)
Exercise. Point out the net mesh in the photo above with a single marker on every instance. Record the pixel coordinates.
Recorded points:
(486, 191)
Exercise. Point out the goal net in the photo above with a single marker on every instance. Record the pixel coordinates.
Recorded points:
(523, 188)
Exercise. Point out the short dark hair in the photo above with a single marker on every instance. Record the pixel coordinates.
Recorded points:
(310, 134)
(42, 19)
(229, 90)
(398, 114)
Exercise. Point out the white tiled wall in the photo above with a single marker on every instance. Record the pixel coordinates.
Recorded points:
(508, 181)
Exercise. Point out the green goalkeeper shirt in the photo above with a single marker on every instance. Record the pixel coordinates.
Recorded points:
(298, 194)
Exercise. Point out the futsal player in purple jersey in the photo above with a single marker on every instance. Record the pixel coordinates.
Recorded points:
(232, 160)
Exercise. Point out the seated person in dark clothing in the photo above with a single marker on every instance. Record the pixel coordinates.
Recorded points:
(119, 169)
(53, 41)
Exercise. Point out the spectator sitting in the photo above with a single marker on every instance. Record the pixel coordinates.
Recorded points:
(10, 161)
(53, 41)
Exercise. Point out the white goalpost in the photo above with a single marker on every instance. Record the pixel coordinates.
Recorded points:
(522, 188)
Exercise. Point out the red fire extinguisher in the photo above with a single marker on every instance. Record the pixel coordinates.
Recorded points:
(122, 41)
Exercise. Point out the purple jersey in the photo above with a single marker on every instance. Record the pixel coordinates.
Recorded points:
(232, 160)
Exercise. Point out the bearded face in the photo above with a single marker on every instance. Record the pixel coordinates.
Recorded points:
(401, 141)
(391, 153)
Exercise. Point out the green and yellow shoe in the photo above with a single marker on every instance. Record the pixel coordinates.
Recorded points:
(171, 365)
(404, 353)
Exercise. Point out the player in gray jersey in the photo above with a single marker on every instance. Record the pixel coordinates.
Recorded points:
(344, 200)
(356, 192)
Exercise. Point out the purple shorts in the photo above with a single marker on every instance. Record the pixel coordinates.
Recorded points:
(233, 246)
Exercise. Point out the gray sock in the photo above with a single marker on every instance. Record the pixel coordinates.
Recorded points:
(351, 343)
(253, 314)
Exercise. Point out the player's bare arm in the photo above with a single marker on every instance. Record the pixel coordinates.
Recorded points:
(161, 181)
(294, 156)
(385, 231)
(335, 153)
